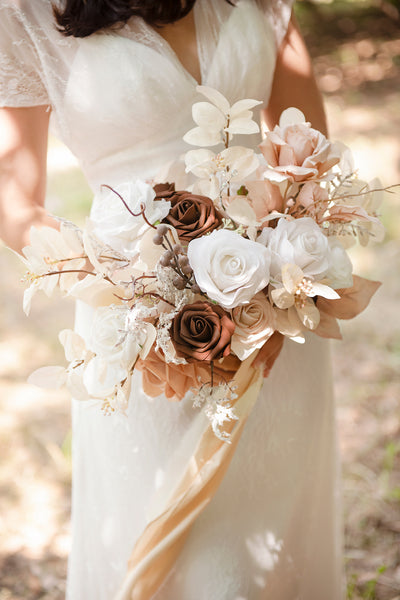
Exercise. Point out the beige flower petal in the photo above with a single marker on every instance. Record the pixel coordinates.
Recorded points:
(282, 298)
(328, 327)
(291, 277)
(309, 315)
(352, 300)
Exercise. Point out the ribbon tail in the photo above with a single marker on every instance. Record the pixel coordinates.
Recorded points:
(159, 546)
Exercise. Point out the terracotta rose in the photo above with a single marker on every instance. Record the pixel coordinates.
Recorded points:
(202, 331)
(191, 215)
(174, 381)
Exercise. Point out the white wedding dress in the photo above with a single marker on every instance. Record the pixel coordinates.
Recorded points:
(121, 101)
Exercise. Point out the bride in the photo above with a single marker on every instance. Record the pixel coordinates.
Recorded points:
(116, 79)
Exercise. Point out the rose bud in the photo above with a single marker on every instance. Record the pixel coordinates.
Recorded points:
(165, 261)
(195, 289)
(187, 270)
(162, 229)
(179, 282)
(177, 249)
(183, 260)
(169, 255)
(158, 239)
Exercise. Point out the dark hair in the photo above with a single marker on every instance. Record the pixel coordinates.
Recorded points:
(80, 18)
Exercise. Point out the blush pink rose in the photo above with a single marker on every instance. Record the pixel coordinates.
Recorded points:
(299, 152)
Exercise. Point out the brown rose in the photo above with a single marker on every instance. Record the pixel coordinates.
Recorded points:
(202, 331)
(191, 215)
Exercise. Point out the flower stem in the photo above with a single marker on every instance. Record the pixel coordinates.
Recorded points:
(142, 207)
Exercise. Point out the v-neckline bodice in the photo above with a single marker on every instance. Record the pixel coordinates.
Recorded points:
(196, 42)
(131, 81)
(153, 38)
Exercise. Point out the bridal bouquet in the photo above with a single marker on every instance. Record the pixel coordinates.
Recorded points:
(187, 285)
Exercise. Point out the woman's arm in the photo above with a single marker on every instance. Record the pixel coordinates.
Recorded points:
(23, 151)
(294, 83)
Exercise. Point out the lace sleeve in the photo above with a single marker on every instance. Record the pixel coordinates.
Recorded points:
(21, 73)
(278, 13)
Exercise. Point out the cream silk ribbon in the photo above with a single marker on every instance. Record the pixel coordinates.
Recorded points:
(161, 542)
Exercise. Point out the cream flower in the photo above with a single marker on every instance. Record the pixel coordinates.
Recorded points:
(217, 121)
(48, 247)
(117, 338)
(241, 212)
(297, 152)
(255, 323)
(340, 271)
(116, 335)
(300, 242)
(220, 172)
(297, 292)
(113, 223)
(237, 161)
(55, 377)
(229, 268)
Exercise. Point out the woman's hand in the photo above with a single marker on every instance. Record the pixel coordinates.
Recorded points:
(23, 159)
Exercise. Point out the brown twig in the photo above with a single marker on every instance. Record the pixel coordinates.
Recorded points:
(142, 207)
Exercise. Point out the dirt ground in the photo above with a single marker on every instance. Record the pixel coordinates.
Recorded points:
(356, 50)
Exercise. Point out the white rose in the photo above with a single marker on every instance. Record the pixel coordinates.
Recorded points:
(114, 224)
(229, 268)
(300, 242)
(255, 323)
(340, 271)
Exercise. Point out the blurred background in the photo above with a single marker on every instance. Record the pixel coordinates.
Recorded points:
(356, 51)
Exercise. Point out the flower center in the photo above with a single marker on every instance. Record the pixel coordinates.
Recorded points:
(232, 265)
(302, 292)
(219, 161)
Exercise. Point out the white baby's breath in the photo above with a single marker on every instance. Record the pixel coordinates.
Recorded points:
(216, 403)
